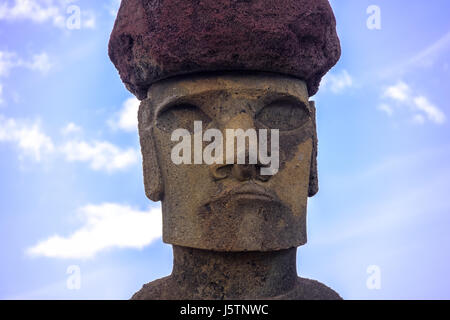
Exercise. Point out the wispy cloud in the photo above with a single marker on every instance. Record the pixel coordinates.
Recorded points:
(427, 56)
(10, 60)
(38, 62)
(401, 96)
(408, 198)
(88, 20)
(1, 93)
(32, 141)
(400, 92)
(100, 155)
(433, 113)
(386, 108)
(55, 12)
(32, 10)
(423, 59)
(28, 137)
(7, 62)
(105, 226)
(71, 128)
(126, 118)
(113, 7)
(418, 119)
(337, 82)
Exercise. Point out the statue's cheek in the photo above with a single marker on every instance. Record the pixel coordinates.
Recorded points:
(291, 183)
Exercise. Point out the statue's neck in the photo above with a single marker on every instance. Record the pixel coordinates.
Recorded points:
(228, 275)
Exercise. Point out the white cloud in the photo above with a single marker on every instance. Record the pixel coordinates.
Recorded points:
(100, 155)
(9, 60)
(427, 56)
(399, 92)
(423, 59)
(88, 20)
(113, 7)
(413, 197)
(403, 97)
(53, 11)
(40, 62)
(1, 93)
(105, 226)
(433, 113)
(32, 10)
(71, 128)
(386, 108)
(28, 137)
(126, 118)
(337, 83)
(418, 119)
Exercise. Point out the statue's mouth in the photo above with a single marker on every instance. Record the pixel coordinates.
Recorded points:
(247, 217)
(248, 197)
(249, 190)
(252, 191)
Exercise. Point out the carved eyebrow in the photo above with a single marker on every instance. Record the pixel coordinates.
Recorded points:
(170, 102)
(174, 100)
(286, 97)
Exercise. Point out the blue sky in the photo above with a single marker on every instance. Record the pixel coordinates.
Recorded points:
(71, 191)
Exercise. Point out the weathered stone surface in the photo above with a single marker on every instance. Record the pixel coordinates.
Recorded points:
(232, 64)
(230, 207)
(201, 274)
(234, 231)
(154, 40)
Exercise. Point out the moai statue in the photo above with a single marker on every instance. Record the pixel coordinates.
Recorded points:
(226, 65)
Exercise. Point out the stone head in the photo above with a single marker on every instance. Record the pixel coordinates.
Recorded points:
(226, 65)
(230, 206)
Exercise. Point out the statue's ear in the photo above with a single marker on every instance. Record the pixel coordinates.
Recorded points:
(313, 176)
(152, 173)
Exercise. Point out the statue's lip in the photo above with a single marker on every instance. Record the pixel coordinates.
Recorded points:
(249, 189)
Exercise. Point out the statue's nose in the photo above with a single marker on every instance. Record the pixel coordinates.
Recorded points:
(243, 127)
(244, 172)
(245, 123)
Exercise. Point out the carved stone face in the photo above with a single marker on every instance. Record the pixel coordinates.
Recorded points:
(230, 207)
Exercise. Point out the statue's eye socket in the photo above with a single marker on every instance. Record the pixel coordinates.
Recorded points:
(285, 115)
(181, 116)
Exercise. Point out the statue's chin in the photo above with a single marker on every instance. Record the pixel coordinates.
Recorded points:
(248, 222)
